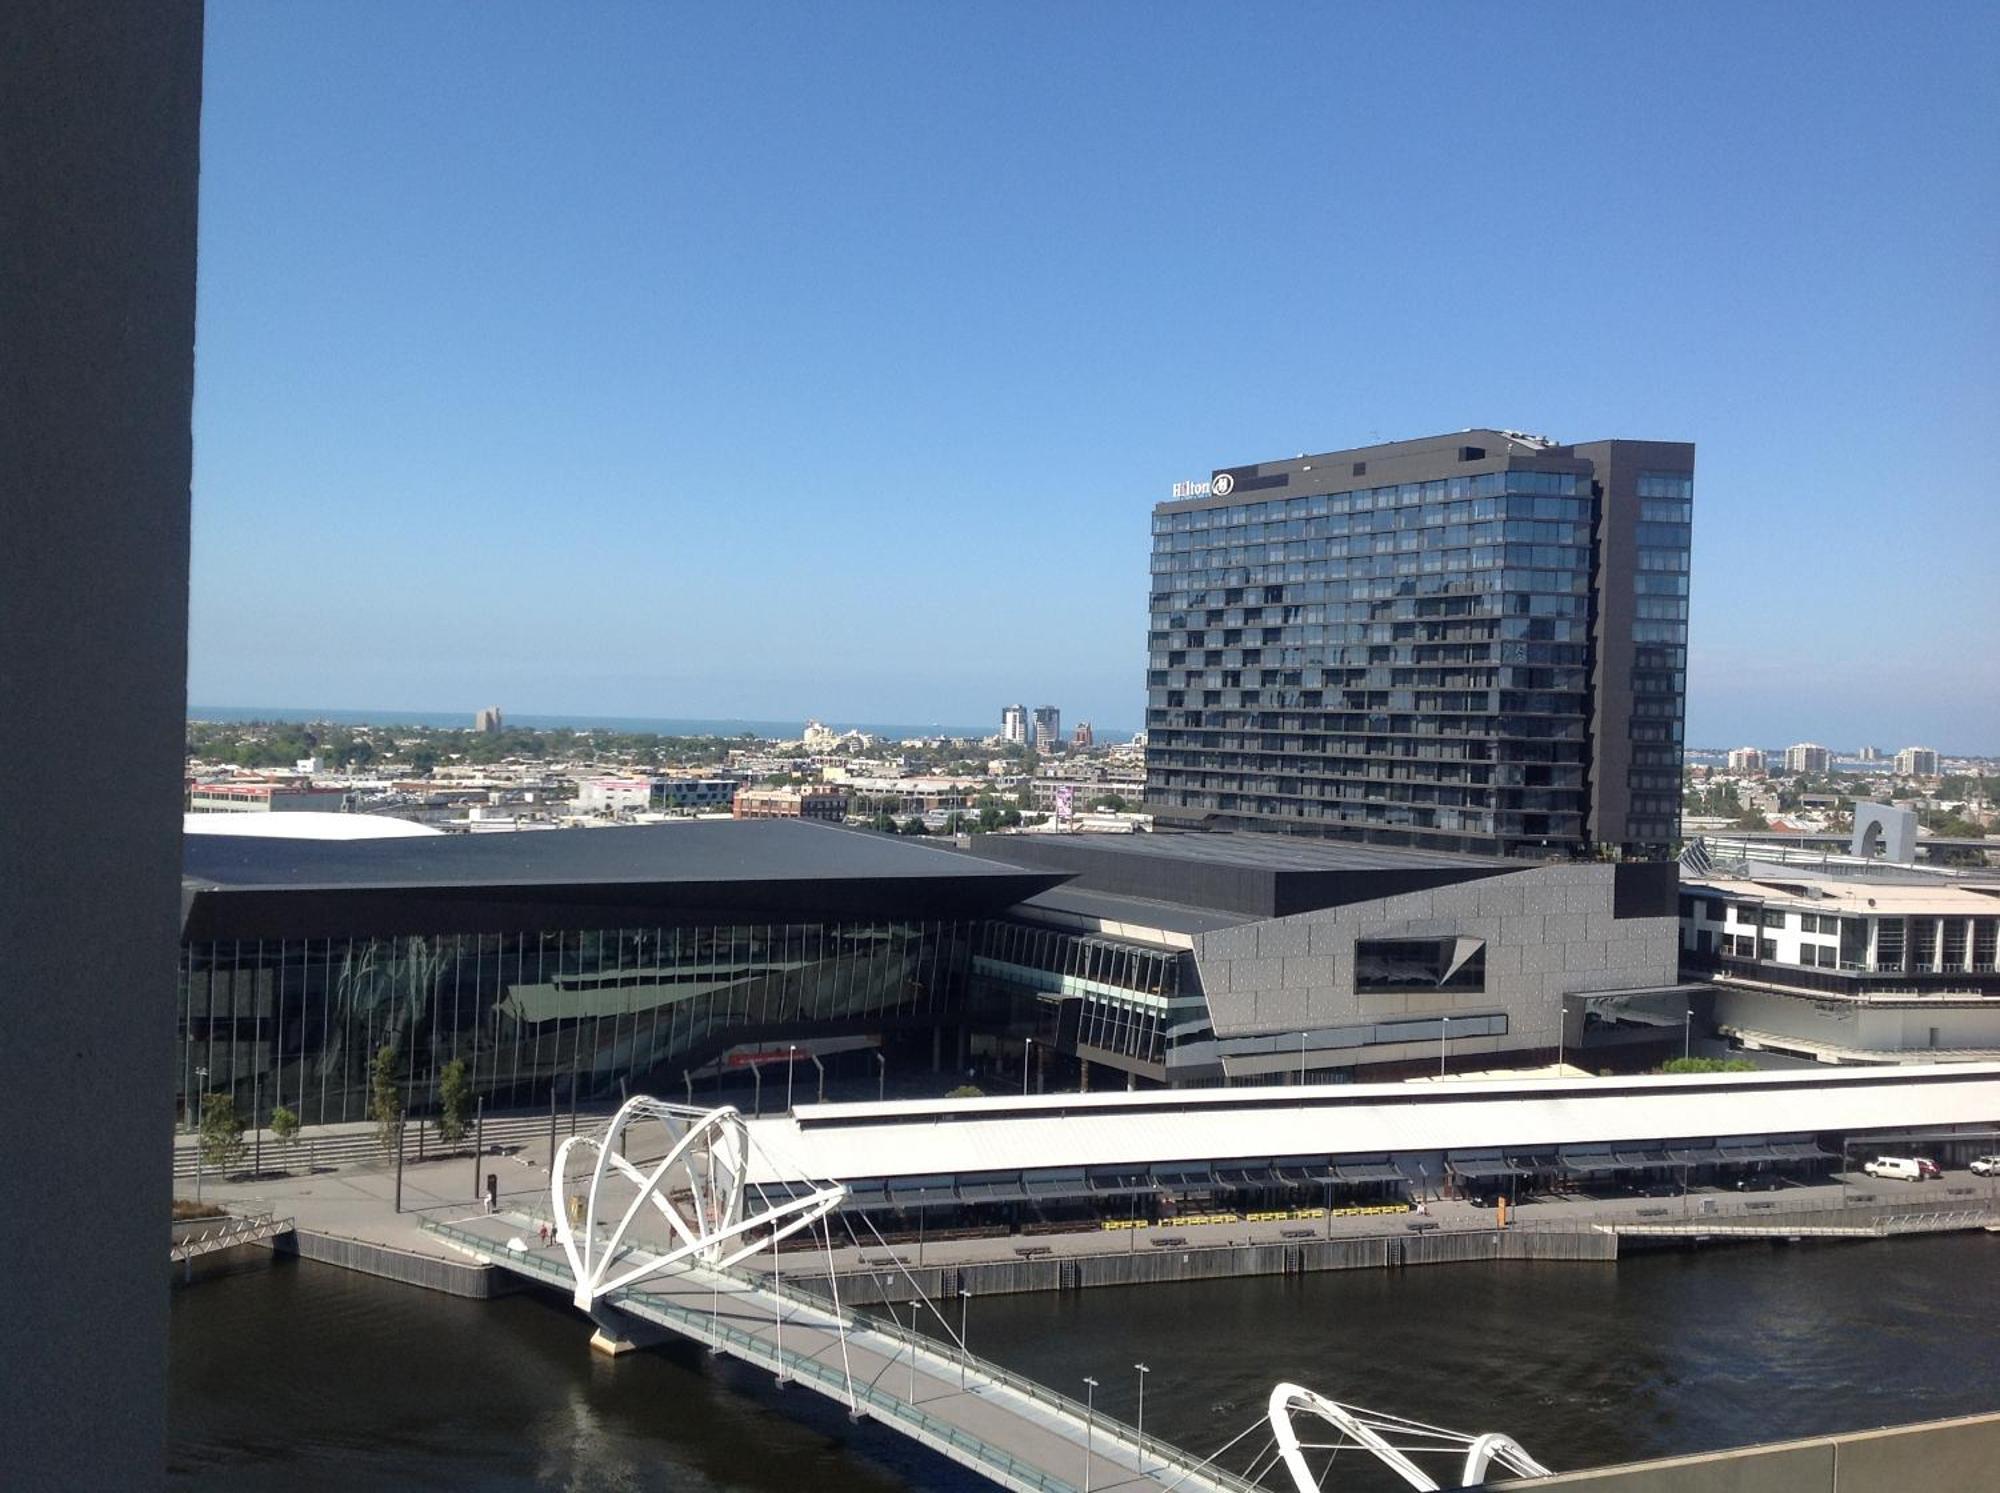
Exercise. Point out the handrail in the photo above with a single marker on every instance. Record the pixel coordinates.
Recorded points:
(705, 1327)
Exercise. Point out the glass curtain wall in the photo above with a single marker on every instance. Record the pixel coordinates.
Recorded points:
(297, 1022)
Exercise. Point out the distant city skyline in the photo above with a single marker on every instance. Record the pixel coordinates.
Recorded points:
(680, 364)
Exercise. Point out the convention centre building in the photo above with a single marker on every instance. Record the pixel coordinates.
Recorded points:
(682, 959)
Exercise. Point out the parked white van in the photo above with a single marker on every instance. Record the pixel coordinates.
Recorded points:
(1902, 1168)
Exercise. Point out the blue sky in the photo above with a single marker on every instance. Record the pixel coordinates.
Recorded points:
(731, 361)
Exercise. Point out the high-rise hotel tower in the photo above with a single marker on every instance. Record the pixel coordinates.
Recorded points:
(1469, 642)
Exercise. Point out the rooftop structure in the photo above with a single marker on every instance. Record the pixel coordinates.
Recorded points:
(1848, 968)
(1083, 1140)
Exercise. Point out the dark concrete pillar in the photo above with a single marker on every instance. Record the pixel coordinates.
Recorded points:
(100, 112)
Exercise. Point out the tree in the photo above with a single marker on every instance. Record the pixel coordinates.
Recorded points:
(1115, 802)
(884, 821)
(1009, 818)
(385, 1099)
(221, 1131)
(423, 760)
(967, 1091)
(989, 817)
(284, 1127)
(454, 1102)
(914, 825)
(1708, 1065)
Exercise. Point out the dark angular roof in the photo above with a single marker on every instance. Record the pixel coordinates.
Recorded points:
(1261, 875)
(748, 871)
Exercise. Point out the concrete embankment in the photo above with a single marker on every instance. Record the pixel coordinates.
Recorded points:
(896, 1279)
(452, 1277)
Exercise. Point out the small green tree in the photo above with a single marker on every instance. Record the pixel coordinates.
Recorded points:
(913, 825)
(1708, 1065)
(385, 1098)
(967, 1091)
(221, 1131)
(284, 1127)
(454, 1102)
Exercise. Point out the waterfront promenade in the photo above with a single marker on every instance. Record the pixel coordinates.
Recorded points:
(357, 1201)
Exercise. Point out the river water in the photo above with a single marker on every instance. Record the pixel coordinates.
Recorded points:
(301, 1376)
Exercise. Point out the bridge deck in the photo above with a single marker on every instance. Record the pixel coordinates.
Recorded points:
(1003, 1426)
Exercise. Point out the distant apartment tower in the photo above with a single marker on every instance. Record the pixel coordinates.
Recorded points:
(1466, 642)
(1869, 754)
(1746, 759)
(1048, 728)
(1916, 762)
(1807, 757)
(1014, 724)
(1083, 738)
(488, 722)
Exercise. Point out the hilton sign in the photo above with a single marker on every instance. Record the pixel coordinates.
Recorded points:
(1220, 486)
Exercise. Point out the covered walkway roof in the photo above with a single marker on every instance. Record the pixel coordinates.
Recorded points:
(948, 1138)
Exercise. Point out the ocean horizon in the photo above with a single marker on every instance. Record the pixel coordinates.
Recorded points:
(772, 730)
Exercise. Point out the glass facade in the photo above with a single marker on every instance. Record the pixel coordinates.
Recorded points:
(1111, 997)
(295, 1022)
(1407, 661)
(1663, 533)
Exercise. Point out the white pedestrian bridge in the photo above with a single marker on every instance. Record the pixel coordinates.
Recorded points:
(654, 1225)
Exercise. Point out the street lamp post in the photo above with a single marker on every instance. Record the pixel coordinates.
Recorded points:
(791, 1066)
(1687, 1033)
(1143, 1372)
(1027, 1064)
(1444, 1031)
(881, 1074)
(1302, 1059)
(1089, 1427)
(964, 1305)
(201, 1096)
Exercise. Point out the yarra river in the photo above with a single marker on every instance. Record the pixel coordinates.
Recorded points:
(300, 1376)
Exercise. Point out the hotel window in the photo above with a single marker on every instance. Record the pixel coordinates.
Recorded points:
(1889, 943)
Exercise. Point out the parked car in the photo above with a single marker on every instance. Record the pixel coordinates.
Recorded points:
(1902, 1168)
(1986, 1166)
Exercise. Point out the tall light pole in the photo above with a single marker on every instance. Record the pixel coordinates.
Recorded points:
(1687, 1032)
(201, 1097)
(1444, 1031)
(791, 1066)
(1143, 1372)
(1302, 1059)
(881, 1074)
(1027, 1064)
(1089, 1427)
(964, 1305)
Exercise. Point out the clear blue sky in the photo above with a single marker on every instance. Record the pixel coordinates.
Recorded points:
(771, 361)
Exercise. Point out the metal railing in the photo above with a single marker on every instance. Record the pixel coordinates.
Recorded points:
(227, 1235)
(705, 1327)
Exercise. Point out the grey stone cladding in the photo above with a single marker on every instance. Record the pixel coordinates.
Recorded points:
(1549, 932)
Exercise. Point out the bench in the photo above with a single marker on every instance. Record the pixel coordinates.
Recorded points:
(1172, 1241)
(1423, 1227)
(1760, 1205)
(1653, 1212)
(1861, 1197)
(1030, 1251)
(883, 1259)
(1960, 1192)
(1295, 1233)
